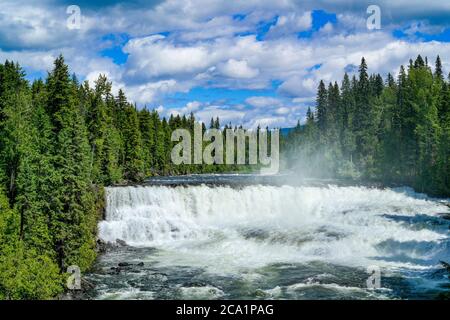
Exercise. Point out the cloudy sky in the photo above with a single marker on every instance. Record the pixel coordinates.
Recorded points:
(248, 62)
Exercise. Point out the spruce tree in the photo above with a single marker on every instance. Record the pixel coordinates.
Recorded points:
(133, 153)
(321, 107)
(72, 202)
(438, 72)
(147, 129)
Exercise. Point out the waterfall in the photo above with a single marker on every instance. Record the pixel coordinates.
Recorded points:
(267, 224)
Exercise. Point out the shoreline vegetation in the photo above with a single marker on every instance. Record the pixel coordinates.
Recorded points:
(62, 141)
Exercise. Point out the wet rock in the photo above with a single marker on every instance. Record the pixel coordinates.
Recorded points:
(445, 265)
(80, 294)
(260, 293)
(121, 243)
(124, 264)
(195, 284)
(129, 264)
(114, 271)
(103, 246)
(444, 215)
(127, 267)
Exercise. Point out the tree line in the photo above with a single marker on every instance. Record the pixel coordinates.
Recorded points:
(61, 141)
(395, 130)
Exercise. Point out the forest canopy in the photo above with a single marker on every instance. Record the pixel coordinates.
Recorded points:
(395, 130)
(62, 141)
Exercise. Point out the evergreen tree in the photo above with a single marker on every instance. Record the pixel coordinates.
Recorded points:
(158, 147)
(348, 111)
(392, 131)
(321, 106)
(438, 73)
(147, 129)
(27, 267)
(72, 205)
(60, 142)
(133, 153)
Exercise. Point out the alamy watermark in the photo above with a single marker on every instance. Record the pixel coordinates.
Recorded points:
(373, 22)
(74, 280)
(374, 280)
(236, 151)
(74, 19)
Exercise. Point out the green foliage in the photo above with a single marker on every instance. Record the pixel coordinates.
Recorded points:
(134, 156)
(46, 170)
(60, 143)
(393, 131)
(24, 273)
(72, 201)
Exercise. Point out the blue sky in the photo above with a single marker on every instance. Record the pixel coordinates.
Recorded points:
(248, 62)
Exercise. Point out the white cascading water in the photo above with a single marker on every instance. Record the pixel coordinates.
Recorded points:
(224, 228)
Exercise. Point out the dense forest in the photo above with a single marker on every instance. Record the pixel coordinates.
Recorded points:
(61, 141)
(396, 131)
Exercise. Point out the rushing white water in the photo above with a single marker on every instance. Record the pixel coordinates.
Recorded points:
(226, 229)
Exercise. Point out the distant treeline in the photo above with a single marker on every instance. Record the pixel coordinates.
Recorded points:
(393, 130)
(60, 143)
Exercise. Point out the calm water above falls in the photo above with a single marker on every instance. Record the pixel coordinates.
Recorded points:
(271, 242)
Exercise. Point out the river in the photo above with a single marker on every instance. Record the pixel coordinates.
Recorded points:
(242, 237)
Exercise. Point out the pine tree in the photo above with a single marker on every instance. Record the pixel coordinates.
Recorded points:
(348, 112)
(147, 129)
(309, 118)
(165, 139)
(159, 147)
(27, 267)
(133, 153)
(217, 123)
(113, 143)
(438, 72)
(321, 106)
(393, 131)
(73, 212)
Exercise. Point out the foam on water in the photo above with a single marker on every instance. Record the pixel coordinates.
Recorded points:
(226, 229)
(201, 293)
